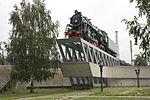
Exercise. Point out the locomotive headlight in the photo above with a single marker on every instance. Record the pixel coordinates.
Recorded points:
(76, 21)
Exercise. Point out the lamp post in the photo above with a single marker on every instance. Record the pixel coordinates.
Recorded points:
(101, 70)
(137, 71)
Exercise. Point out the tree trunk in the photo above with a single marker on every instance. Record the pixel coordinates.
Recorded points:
(32, 87)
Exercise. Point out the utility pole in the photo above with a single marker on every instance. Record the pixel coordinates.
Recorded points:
(131, 51)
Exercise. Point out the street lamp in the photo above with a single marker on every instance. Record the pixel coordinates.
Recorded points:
(137, 71)
(101, 70)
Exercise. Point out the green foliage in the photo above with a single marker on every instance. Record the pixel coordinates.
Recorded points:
(141, 31)
(32, 43)
(122, 61)
(140, 61)
(1, 54)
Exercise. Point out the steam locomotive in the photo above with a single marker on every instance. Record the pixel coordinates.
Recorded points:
(81, 27)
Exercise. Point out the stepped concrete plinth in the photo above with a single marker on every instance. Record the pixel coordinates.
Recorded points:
(4, 75)
(57, 81)
(114, 75)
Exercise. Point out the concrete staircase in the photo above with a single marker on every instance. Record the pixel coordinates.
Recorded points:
(4, 76)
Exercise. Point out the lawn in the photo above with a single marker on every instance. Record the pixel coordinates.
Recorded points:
(99, 98)
(122, 91)
(15, 94)
(54, 94)
(93, 98)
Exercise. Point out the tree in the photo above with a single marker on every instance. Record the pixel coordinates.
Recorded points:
(32, 45)
(140, 61)
(123, 63)
(139, 30)
(1, 54)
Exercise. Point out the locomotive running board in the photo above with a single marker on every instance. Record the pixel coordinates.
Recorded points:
(79, 50)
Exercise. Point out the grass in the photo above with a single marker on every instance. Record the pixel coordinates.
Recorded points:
(16, 94)
(94, 98)
(122, 91)
(46, 99)
(114, 91)
(99, 98)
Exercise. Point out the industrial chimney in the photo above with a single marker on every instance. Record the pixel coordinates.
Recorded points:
(117, 43)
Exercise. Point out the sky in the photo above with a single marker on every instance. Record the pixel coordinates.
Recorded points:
(105, 14)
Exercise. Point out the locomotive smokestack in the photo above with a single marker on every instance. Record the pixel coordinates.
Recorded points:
(76, 11)
(117, 43)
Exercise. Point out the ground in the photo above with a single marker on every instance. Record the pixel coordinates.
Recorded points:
(116, 93)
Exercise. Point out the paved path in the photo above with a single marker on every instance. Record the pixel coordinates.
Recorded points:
(60, 96)
(78, 95)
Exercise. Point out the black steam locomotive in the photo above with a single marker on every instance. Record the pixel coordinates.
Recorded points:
(81, 27)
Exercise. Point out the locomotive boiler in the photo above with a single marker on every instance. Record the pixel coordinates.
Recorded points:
(81, 27)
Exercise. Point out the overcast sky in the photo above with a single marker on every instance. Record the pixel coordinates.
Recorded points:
(105, 14)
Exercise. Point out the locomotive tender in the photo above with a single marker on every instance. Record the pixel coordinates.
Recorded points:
(81, 27)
